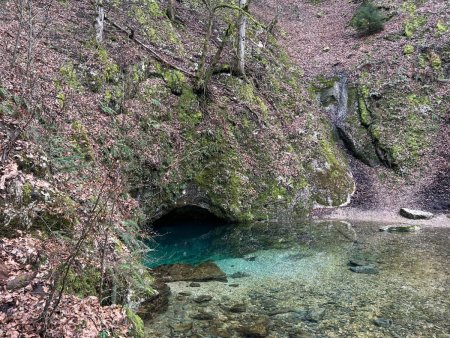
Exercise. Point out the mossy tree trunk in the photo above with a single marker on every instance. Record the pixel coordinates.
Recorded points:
(200, 85)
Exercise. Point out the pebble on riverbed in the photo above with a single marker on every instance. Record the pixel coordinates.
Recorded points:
(202, 298)
(381, 322)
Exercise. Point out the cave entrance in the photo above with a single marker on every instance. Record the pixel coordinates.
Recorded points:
(189, 234)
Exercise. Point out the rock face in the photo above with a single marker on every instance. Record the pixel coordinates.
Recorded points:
(415, 214)
(183, 272)
(157, 303)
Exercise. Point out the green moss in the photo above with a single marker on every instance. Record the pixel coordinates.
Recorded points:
(175, 80)
(83, 282)
(27, 190)
(413, 24)
(408, 49)
(81, 141)
(435, 60)
(332, 180)
(70, 76)
(321, 83)
(364, 113)
(441, 28)
(247, 92)
(137, 329)
(422, 61)
(188, 108)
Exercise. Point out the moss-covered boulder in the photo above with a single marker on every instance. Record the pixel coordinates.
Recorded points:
(33, 205)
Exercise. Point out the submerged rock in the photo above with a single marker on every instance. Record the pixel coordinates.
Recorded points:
(202, 299)
(182, 327)
(370, 269)
(250, 258)
(400, 228)
(255, 327)
(315, 315)
(183, 272)
(238, 308)
(359, 262)
(203, 315)
(239, 274)
(415, 214)
(381, 322)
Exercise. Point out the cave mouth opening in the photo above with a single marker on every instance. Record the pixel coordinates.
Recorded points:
(188, 234)
(191, 220)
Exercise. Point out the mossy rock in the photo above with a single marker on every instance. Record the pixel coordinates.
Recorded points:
(82, 282)
(333, 181)
(137, 329)
(36, 209)
(81, 141)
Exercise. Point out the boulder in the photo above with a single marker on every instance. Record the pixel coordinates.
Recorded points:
(400, 228)
(415, 214)
(184, 272)
(158, 303)
(21, 281)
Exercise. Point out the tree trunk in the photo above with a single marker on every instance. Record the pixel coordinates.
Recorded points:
(209, 72)
(241, 37)
(99, 22)
(170, 10)
(201, 72)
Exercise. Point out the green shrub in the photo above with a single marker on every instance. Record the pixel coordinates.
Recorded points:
(367, 19)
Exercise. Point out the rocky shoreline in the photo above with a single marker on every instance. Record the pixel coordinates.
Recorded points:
(380, 216)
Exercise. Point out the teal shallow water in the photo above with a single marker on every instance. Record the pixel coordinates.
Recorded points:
(290, 271)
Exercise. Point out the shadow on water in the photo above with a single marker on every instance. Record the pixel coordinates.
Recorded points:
(187, 235)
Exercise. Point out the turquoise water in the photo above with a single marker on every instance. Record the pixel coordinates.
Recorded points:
(191, 242)
(295, 280)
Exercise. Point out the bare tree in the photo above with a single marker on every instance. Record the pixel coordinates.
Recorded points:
(242, 38)
(99, 21)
